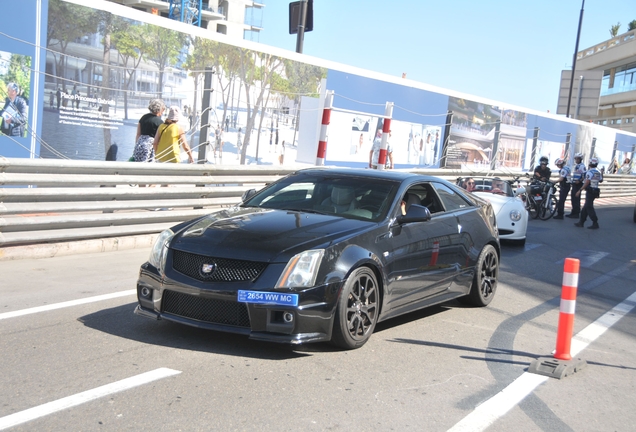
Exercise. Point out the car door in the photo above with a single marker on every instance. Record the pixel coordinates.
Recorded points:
(422, 259)
(467, 223)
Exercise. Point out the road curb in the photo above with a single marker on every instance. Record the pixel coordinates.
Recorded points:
(50, 250)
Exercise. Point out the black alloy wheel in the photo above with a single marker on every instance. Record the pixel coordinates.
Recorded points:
(484, 284)
(357, 311)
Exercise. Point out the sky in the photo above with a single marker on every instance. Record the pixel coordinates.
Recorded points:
(507, 51)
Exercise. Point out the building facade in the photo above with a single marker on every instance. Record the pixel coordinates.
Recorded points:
(239, 19)
(616, 57)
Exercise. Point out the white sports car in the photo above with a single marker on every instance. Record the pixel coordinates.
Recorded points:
(512, 216)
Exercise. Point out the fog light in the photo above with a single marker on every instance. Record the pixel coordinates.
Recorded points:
(288, 317)
(145, 292)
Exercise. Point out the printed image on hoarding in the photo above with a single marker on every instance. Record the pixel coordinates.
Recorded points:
(472, 134)
(94, 111)
(15, 84)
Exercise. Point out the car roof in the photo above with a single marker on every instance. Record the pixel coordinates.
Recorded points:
(369, 173)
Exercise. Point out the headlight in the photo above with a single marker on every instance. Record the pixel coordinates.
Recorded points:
(159, 249)
(301, 270)
(515, 215)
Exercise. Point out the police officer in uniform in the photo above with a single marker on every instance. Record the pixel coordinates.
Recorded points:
(565, 177)
(577, 183)
(592, 179)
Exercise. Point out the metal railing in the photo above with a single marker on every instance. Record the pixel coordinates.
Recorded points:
(45, 200)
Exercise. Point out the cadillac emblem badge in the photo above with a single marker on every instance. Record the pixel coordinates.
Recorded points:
(207, 269)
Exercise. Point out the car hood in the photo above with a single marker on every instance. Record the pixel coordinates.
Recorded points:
(500, 202)
(256, 234)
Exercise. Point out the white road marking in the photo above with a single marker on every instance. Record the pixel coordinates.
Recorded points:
(66, 304)
(87, 396)
(496, 407)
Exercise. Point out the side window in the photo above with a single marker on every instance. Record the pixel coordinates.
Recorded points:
(451, 199)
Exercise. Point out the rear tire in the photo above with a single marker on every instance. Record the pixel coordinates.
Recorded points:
(484, 284)
(357, 311)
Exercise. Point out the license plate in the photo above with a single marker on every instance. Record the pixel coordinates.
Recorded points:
(268, 298)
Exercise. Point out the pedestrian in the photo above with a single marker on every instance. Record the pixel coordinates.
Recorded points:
(227, 123)
(625, 168)
(281, 152)
(577, 183)
(58, 97)
(170, 138)
(591, 186)
(374, 153)
(565, 178)
(15, 114)
(218, 139)
(147, 130)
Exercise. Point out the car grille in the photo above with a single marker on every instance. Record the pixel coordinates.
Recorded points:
(505, 231)
(227, 270)
(205, 309)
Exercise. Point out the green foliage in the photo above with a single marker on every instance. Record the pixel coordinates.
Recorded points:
(614, 29)
(20, 73)
(68, 22)
(304, 79)
(632, 25)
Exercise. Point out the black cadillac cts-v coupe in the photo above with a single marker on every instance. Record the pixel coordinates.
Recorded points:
(324, 255)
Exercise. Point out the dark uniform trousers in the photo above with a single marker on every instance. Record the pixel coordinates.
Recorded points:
(576, 200)
(588, 207)
(564, 189)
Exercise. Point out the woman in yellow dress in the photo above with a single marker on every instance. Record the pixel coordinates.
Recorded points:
(170, 138)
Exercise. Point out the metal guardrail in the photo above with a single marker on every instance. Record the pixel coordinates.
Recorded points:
(45, 201)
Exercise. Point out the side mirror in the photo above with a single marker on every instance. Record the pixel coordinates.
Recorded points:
(519, 191)
(248, 194)
(415, 213)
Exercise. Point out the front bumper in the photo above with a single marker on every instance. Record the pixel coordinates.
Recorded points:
(215, 307)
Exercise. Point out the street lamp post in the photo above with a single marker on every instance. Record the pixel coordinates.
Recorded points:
(576, 50)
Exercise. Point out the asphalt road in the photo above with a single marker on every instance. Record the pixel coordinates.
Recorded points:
(81, 367)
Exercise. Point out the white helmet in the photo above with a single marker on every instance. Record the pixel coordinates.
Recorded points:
(559, 161)
(579, 155)
(593, 162)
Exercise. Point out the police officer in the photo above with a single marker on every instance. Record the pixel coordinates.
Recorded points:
(577, 183)
(565, 177)
(592, 179)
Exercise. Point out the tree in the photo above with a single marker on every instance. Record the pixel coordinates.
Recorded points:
(632, 25)
(68, 22)
(614, 29)
(201, 56)
(164, 50)
(256, 80)
(131, 44)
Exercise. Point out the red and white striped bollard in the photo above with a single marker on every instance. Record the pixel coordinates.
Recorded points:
(567, 308)
(326, 118)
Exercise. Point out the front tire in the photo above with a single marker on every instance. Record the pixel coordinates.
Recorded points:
(484, 284)
(548, 208)
(357, 311)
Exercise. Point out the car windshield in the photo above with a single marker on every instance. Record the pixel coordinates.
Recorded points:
(486, 185)
(355, 197)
